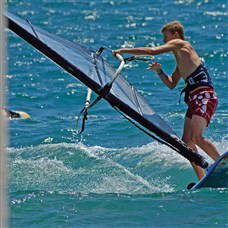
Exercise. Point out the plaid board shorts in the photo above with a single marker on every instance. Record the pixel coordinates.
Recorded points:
(202, 102)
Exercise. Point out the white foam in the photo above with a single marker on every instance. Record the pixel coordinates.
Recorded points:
(80, 168)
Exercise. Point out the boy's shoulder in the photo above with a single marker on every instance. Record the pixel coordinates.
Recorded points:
(179, 43)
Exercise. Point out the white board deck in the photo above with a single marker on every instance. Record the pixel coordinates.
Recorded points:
(217, 174)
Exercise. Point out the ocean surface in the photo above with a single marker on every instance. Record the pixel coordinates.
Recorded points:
(113, 175)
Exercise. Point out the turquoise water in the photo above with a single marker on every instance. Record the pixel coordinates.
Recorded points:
(113, 175)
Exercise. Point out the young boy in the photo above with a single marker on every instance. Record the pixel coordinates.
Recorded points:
(199, 93)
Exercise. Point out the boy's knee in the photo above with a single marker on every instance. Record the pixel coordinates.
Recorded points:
(196, 138)
(187, 140)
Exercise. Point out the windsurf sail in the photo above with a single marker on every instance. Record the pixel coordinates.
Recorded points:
(91, 69)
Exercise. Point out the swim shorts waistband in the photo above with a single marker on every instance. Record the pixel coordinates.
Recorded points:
(200, 91)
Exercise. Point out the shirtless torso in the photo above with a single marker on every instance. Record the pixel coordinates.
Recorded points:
(187, 59)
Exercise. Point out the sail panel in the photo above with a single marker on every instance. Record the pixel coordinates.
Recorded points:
(95, 67)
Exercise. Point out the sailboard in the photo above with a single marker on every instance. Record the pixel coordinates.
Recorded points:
(217, 174)
(14, 114)
(90, 68)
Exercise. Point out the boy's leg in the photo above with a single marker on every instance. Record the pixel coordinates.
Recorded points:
(198, 124)
(187, 139)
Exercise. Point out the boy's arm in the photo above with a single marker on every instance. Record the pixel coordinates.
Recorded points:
(170, 46)
(169, 81)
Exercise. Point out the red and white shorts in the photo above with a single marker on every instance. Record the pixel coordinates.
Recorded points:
(202, 102)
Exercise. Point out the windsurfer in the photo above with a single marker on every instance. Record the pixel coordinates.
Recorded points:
(199, 92)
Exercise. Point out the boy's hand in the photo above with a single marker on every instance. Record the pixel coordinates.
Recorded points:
(155, 66)
(118, 51)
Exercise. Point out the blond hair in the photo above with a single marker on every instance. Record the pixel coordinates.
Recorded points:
(174, 26)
